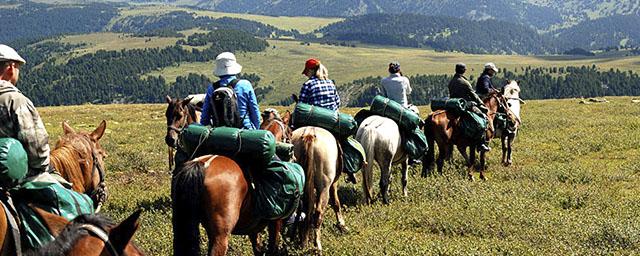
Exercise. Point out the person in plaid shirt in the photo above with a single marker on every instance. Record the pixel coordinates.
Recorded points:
(318, 90)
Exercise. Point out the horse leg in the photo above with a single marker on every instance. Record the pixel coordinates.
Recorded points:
(385, 179)
(367, 179)
(471, 162)
(318, 216)
(442, 154)
(483, 157)
(505, 146)
(256, 244)
(275, 227)
(335, 204)
(510, 148)
(219, 244)
(405, 170)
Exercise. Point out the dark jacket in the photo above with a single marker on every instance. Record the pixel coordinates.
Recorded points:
(459, 87)
(484, 85)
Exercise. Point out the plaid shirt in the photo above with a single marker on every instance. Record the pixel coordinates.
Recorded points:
(321, 93)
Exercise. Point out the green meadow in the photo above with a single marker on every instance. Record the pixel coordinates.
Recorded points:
(573, 188)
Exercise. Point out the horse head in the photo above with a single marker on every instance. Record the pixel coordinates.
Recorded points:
(276, 124)
(92, 155)
(179, 114)
(89, 235)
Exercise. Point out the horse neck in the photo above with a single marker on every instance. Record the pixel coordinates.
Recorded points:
(73, 167)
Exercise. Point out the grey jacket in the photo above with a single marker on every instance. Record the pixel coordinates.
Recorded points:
(19, 119)
(459, 87)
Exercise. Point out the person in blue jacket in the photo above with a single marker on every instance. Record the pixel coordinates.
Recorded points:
(227, 69)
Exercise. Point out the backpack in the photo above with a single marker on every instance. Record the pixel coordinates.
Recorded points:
(13, 162)
(224, 105)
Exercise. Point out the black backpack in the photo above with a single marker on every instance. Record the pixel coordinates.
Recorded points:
(224, 106)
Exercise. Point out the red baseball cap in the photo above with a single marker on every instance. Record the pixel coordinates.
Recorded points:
(310, 64)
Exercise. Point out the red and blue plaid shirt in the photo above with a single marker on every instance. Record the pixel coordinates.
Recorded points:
(321, 93)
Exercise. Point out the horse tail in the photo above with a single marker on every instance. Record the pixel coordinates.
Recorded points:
(430, 155)
(367, 139)
(186, 190)
(308, 161)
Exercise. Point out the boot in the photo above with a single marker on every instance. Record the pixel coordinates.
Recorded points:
(351, 178)
(484, 147)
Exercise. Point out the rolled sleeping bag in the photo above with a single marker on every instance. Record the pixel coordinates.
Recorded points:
(404, 117)
(339, 124)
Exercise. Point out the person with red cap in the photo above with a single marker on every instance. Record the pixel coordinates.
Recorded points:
(318, 90)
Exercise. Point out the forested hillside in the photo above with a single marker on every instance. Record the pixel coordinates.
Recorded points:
(536, 83)
(619, 30)
(440, 33)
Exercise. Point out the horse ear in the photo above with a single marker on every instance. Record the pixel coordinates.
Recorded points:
(186, 101)
(168, 99)
(67, 128)
(121, 235)
(286, 117)
(98, 132)
(54, 223)
(294, 98)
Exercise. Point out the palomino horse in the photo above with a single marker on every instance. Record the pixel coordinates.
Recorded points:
(444, 128)
(317, 152)
(380, 137)
(213, 190)
(271, 121)
(511, 92)
(89, 235)
(179, 114)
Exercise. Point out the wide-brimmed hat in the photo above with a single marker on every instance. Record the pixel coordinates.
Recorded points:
(310, 64)
(8, 53)
(226, 64)
(492, 66)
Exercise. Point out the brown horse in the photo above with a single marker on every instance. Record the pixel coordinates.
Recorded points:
(444, 128)
(317, 152)
(214, 191)
(179, 114)
(89, 235)
(79, 159)
(279, 126)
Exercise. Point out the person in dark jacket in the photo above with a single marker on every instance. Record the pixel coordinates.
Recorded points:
(484, 86)
(459, 87)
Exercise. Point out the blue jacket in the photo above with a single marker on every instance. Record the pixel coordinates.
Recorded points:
(247, 103)
(484, 85)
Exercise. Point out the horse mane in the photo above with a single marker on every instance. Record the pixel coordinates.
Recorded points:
(72, 155)
(70, 235)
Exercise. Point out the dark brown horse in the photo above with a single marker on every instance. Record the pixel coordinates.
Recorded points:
(214, 191)
(179, 114)
(444, 128)
(89, 235)
(279, 126)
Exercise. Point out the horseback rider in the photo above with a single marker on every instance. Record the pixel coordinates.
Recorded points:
(248, 111)
(397, 87)
(459, 87)
(484, 86)
(19, 118)
(319, 90)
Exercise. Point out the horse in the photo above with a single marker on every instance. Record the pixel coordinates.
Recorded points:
(443, 128)
(511, 92)
(380, 137)
(317, 152)
(179, 114)
(214, 190)
(279, 126)
(79, 158)
(89, 235)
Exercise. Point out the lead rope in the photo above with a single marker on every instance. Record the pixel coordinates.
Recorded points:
(100, 233)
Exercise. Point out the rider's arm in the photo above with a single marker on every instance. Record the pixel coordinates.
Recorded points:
(205, 117)
(305, 93)
(33, 135)
(254, 109)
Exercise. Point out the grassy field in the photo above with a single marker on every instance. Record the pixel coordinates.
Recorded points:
(302, 24)
(281, 64)
(573, 188)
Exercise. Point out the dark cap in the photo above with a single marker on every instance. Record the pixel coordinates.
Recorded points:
(461, 67)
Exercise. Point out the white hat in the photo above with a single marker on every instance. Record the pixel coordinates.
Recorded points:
(490, 65)
(8, 53)
(226, 64)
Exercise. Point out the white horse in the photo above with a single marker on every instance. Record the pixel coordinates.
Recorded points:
(511, 91)
(380, 137)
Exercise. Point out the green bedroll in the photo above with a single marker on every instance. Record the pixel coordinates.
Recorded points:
(339, 124)
(278, 189)
(455, 105)
(257, 145)
(353, 155)
(415, 143)
(13, 162)
(473, 125)
(284, 151)
(404, 117)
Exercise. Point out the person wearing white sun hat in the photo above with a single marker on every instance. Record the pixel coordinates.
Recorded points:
(248, 111)
(19, 118)
(484, 86)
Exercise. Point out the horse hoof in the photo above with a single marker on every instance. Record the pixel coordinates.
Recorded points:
(342, 228)
(471, 178)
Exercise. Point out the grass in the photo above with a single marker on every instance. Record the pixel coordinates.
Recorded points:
(302, 24)
(116, 41)
(572, 190)
(281, 64)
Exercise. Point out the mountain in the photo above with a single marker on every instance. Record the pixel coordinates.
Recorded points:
(440, 33)
(618, 30)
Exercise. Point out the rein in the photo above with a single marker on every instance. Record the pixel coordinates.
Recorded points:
(103, 235)
(98, 194)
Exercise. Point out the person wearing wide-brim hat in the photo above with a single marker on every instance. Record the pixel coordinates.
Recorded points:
(319, 90)
(484, 86)
(227, 69)
(19, 118)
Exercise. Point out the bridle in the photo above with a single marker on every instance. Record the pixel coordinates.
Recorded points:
(103, 235)
(99, 194)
